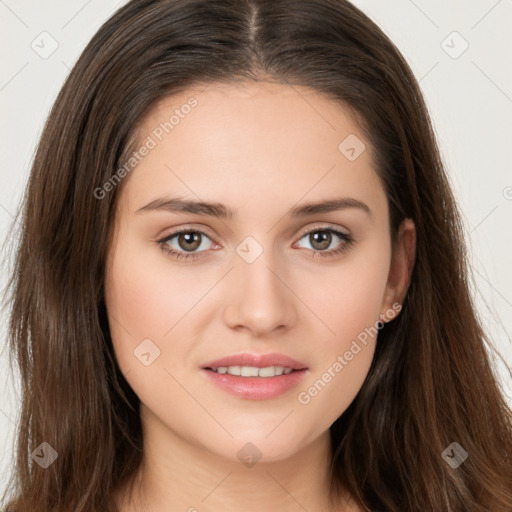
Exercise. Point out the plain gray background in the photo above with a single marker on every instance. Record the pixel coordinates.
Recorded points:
(460, 51)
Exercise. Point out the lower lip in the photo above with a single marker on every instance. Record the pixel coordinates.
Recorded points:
(255, 388)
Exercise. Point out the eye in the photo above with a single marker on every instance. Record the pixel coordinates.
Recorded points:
(188, 241)
(321, 238)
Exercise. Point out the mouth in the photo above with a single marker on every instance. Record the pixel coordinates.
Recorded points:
(246, 364)
(255, 377)
(253, 371)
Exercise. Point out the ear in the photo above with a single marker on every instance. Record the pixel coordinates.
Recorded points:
(400, 270)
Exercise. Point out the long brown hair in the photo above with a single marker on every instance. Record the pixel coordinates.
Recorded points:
(431, 383)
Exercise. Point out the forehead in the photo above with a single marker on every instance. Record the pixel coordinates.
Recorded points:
(261, 142)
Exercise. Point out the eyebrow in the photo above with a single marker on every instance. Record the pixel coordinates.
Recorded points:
(177, 205)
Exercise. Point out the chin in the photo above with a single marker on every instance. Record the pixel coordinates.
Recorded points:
(261, 446)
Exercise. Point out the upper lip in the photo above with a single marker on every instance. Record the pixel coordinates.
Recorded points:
(257, 360)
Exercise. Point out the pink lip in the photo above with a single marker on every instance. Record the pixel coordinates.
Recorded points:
(258, 361)
(256, 388)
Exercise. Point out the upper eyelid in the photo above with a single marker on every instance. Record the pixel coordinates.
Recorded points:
(303, 232)
(321, 226)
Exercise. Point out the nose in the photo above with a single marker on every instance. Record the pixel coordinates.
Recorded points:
(260, 298)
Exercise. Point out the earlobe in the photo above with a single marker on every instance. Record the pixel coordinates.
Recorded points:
(400, 271)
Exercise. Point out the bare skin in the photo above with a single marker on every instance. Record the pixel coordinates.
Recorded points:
(260, 149)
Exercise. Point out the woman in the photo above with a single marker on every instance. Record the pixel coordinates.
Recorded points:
(180, 347)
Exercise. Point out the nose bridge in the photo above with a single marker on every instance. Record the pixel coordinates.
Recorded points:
(261, 301)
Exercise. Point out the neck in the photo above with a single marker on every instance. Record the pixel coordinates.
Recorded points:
(177, 474)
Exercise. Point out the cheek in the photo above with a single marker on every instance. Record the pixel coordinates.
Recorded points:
(144, 299)
(348, 301)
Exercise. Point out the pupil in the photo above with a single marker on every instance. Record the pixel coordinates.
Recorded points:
(190, 238)
(322, 238)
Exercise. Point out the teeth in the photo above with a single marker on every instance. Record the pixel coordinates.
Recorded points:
(252, 371)
(249, 371)
(270, 371)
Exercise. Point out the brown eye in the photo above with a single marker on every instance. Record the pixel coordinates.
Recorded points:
(184, 243)
(321, 239)
(189, 240)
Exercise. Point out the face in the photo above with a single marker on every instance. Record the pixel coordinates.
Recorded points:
(272, 279)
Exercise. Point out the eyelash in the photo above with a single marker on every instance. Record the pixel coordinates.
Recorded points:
(348, 241)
